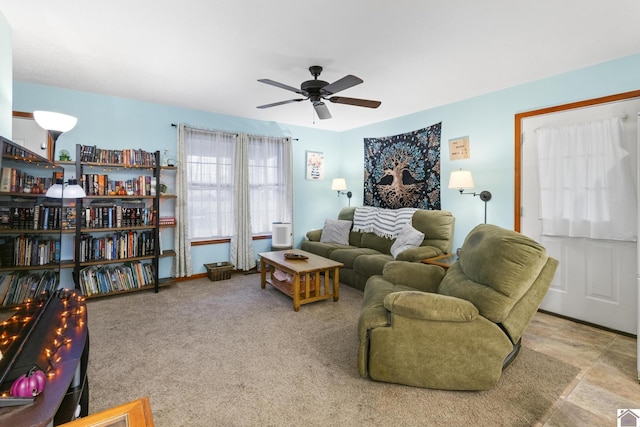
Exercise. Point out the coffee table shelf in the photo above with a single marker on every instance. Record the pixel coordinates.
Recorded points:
(311, 277)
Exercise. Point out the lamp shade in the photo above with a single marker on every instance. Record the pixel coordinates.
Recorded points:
(73, 190)
(51, 121)
(339, 184)
(461, 180)
(55, 191)
(70, 191)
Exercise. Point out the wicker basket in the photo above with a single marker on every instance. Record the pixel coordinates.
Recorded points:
(288, 286)
(219, 271)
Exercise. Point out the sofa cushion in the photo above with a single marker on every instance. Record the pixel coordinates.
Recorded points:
(408, 238)
(371, 265)
(428, 306)
(437, 227)
(380, 244)
(418, 254)
(347, 214)
(314, 235)
(347, 256)
(336, 231)
(494, 270)
(320, 248)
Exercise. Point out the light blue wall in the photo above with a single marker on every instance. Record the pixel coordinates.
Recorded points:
(6, 78)
(113, 122)
(488, 120)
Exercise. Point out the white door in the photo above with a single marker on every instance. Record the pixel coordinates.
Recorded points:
(596, 279)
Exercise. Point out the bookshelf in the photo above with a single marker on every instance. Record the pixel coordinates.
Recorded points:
(31, 225)
(117, 236)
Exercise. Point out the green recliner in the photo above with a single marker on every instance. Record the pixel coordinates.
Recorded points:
(454, 330)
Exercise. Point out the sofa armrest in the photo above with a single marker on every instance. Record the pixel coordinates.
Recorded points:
(419, 253)
(430, 306)
(422, 277)
(314, 235)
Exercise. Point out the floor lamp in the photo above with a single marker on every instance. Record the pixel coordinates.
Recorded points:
(55, 124)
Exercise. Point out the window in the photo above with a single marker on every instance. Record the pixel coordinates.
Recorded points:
(210, 177)
(269, 182)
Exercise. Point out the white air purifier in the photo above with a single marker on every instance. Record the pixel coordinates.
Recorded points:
(281, 236)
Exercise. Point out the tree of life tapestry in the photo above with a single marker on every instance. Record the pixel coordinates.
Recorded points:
(403, 171)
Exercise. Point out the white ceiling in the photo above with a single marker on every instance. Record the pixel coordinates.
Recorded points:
(411, 54)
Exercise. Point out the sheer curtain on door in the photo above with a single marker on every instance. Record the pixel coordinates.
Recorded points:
(586, 183)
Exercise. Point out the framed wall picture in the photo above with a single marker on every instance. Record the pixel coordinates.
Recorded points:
(315, 165)
(132, 414)
(459, 148)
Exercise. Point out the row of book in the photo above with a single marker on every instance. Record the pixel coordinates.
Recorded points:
(112, 278)
(167, 220)
(16, 151)
(18, 287)
(110, 215)
(13, 180)
(120, 245)
(29, 251)
(95, 184)
(131, 156)
(32, 216)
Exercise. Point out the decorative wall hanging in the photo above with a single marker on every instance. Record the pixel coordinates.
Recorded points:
(403, 170)
(459, 148)
(315, 165)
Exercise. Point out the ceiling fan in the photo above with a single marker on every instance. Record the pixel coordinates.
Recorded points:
(318, 90)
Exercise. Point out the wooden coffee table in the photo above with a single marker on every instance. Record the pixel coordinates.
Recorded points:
(310, 277)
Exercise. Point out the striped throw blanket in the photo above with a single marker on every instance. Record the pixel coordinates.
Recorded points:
(381, 222)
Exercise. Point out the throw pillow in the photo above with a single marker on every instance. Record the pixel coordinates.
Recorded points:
(408, 238)
(336, 231)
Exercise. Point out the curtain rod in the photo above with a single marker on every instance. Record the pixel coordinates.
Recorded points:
(216, 130)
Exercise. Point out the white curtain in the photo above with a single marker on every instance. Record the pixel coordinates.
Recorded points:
(182, 266)
(241, 246)
(271, 181)
(211, 182)
(586, 184)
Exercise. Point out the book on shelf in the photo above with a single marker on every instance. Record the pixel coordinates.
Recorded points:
(105, 279)
(14, 180)
(5, 180)
(167, 220)
(139, 157)
(17, 288)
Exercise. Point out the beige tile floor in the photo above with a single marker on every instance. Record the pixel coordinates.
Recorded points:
(608, 377)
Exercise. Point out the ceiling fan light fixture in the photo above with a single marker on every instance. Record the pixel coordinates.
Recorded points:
(318, 90)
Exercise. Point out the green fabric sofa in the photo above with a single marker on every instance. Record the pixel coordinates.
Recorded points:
(454, 330)
(367, 253)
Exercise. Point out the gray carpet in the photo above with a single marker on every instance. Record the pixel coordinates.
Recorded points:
(228, 353)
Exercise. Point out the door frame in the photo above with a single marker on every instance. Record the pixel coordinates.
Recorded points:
(519, 117)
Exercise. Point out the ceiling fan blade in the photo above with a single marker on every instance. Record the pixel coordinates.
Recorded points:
(344, 83)
(355, 101)
(322, 110)
(280, 103)
(282, 86)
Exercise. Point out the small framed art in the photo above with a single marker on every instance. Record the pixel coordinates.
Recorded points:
(459, 148)
(315, 165)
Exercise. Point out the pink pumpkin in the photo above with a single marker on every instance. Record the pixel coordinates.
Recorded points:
(30, 384)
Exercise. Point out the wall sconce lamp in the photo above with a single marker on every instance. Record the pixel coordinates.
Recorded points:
(462, 180)
(54, 123)
(71, 190)
(340, 185)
